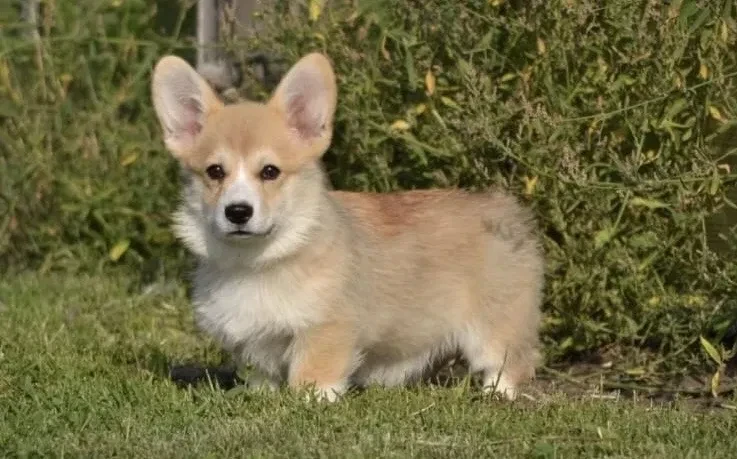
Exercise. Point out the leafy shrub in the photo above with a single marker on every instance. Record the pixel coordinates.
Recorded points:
(83, 171)
(616, 123)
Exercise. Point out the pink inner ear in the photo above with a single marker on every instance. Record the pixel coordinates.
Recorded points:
(301, 119)
(192, 128)
(191, 124)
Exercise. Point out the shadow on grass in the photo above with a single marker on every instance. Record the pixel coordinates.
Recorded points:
(185, 375)
(444, 374)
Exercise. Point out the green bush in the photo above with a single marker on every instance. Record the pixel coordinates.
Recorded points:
(617, 123)
(82, 166)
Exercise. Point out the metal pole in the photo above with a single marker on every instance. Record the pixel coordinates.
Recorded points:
(30, 14)
(207, 31)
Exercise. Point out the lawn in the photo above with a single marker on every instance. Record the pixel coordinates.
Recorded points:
(616, 123)
(84, 373)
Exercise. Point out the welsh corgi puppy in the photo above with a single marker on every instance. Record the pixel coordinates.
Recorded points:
(322, 289)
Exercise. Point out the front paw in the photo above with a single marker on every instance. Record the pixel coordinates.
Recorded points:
(329, 393)
(257, 381)
(499, 386)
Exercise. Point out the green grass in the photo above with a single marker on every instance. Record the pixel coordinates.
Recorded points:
(617, 124)
(83, 373)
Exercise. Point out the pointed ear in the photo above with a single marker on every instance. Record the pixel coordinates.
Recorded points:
(183, 101)
(306, 98)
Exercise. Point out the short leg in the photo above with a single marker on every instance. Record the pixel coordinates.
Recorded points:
(503, 366)
(258, 381)
(324, 358)
(496, 380)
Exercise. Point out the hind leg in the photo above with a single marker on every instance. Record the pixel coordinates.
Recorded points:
(498, 378)
(503, 365)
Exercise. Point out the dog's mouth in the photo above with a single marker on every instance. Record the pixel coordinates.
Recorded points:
(243, 234)
(240, 233)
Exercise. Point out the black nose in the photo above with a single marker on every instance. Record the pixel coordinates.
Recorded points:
(238, 213)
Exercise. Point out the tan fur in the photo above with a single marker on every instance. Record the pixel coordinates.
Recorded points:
(326, 355)
(344, 288)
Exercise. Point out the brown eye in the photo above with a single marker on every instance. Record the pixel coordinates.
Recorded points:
(215, 172)
(269, 172)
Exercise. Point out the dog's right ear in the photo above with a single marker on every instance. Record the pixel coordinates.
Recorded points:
(183, 100)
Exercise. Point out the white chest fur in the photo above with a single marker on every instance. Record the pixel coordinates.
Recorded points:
(254, 315)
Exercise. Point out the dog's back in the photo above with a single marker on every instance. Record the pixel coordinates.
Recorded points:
(442, 271)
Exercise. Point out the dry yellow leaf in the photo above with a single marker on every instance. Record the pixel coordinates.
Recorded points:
(384, 51)
(430, 82)
(715, 384)
(119, 249)
(400, 125)
(716, 114)
(315, 9)
(541, 48)
(507, 77)
(593, 127)
(128, 159)
(4, 73)
(5, 82)
(603, 66)
(703, 72)
(678, 82)
(530, 184)
(724, 32)
(449, 102)
(420, 109)
(696, 300)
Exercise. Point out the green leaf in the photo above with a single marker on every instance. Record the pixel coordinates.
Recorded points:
(711, 350)
(129, 159)
(714, 184)
(465, 68)
(603, 236)
(675, 108)
(507, 77)
(649, 203)
(409, 65)
(484, 43)
(9, 109)
(688, 9)
(705, 14)
(447, 101)
(566, 343)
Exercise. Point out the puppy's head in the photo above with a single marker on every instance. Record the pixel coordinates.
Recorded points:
(250, 164)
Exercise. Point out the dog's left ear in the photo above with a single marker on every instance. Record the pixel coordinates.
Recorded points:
(306, 99)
